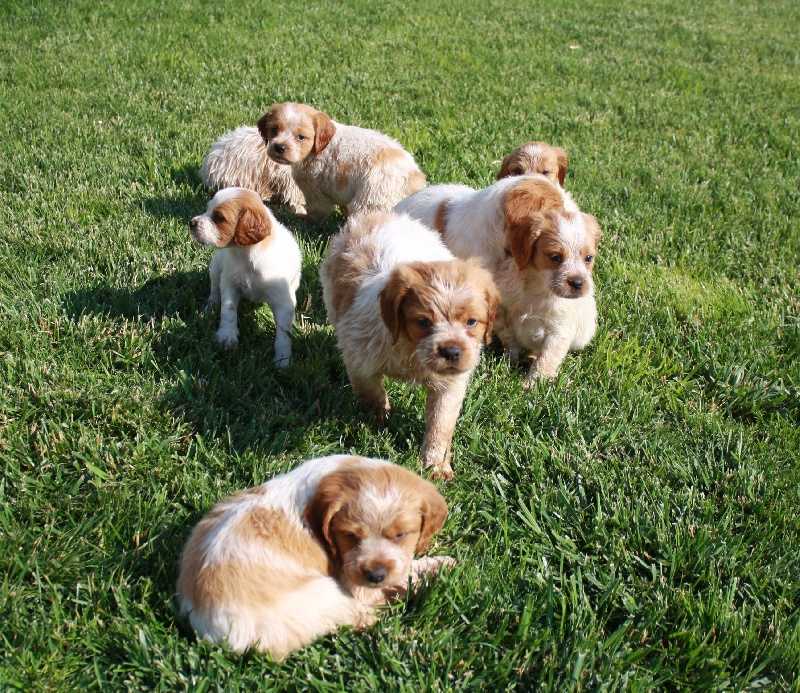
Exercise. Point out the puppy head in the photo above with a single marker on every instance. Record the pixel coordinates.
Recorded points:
(294, 131)
(372, 519)
(561, 246)
(536, 157)
(444, 309)
(235, 216)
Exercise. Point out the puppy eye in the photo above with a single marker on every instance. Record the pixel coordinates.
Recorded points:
(399, 537)
(557, 258)
(588, 259)
(273, 131)
(517, 171)
(300, 138)
(217, 217)
(545, 173)
(472, 322)
(424, 322)
(353, 537)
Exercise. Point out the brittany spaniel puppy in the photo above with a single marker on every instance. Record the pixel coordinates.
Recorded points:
(404, 307)
(258, 258)
(335, 164)
(239, 159)
(540, 250)
(278, 565)
(536, 157)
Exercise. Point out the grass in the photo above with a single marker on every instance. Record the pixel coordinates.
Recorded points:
(633, 525)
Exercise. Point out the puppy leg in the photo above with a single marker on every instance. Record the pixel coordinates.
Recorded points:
(547, 363)
(503, 329)
(420, 568)
(317, 210)
(228, 332)
(284, 316)
(441, 412)
(371, 395)
(214, 270)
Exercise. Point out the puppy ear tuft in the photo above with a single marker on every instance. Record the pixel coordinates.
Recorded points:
(561, 158)
(592, 227)
(264, 123)
(434, 512)
(391, 299)
(492, 301)
(254, 225)
(503, 172)
(327, 501)
(324, 130)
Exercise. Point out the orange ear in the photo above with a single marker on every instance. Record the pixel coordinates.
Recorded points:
(253, 226)
(592, 227)
(503, 172)
(324, 130)
(434, 512)
(391, 299)
(561, 158)
(327, 501)
(492, 301)
(521, 207)
(264, 123)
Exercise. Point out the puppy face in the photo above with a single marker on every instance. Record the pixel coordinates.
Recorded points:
(562, 247)
(445, 309)
(294, 131)
(372, 520)
(536, 157)
(235, 216)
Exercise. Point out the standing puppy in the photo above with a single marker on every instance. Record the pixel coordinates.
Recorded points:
(540, 250)
(404, 307)
(536, 157)
(335, 164)
(258, 258)
(239, 159)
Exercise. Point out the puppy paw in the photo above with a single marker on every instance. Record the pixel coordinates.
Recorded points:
(428, 565)
(227, 339)
(282, 360)
(442, 471)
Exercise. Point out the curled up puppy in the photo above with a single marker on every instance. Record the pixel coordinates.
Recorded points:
(322, 546)
(334, 164)
(403, 306)
(257, 258)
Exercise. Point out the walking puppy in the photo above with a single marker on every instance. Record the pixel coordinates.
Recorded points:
(335, 164)
(278, 565)
(404, 307)
(536, 157)
(258, 258)
(540, 250)
(239, 159)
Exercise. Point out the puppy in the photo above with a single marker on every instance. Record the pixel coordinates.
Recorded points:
(335, 164)
(404, 307)
(540, 250)
(239, 159)
(258, 258)
(278, 565)
(536, 157)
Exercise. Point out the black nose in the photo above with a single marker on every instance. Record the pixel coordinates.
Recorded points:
(450, 353)
(576, 284)
(376, 575)
(193, 224)
(280, 148)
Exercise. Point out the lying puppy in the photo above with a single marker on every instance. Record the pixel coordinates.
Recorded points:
(239, 159)
(258, 258)
(335, 164)
(540, 249)
(536, 157)
(404, 307)
(278, 565)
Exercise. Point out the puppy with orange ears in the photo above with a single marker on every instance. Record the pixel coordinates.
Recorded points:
(239, 159)
(257, 258)
(278, 565)
(540, 249)
(335, 164)
(404, 307)
(536, 157)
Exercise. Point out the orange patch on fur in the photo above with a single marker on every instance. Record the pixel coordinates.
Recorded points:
(440, 219)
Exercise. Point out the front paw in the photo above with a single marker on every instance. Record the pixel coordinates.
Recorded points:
(282, 360)
(443, 472)
(228, 339)
(428, 565)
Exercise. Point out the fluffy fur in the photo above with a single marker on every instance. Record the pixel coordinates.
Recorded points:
(404, 307)
(536, 157)
(258, 258)
(540, 250)
(278, 565)
(239, 159)
(335, 164)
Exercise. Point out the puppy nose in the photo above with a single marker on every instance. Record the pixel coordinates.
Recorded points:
(193, 224)
(575, 283)
(280, 148)
(450, 353)
(376, 575)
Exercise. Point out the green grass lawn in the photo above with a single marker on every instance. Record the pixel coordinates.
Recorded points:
(633, 525)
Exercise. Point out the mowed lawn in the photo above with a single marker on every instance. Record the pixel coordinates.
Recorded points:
(632, 525)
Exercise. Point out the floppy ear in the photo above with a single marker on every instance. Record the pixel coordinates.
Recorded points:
(503, 172)
(253, 226)
(324, 130)
(523, 237)
(328, 500)
(391, 299)
(264, 123)
(492, 301)
(434, 511)
(592, 227)
(561, 158)
(521, 207)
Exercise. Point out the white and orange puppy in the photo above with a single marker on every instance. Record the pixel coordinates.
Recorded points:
(239, 159)
(258, 258)
(404, 307)
(335, 164)
(278, 565)
(536, 157)
(540, 250)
